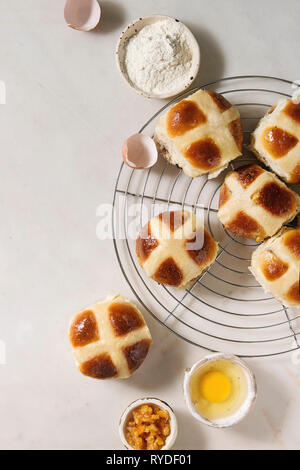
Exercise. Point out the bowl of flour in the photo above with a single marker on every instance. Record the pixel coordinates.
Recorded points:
(158, 56)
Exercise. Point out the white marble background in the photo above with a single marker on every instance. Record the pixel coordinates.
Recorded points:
(66, 116)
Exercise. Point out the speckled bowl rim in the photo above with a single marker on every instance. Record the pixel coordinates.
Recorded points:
(135, 27)
(156, 401)
(252, 390)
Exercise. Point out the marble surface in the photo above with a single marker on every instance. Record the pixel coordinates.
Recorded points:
(67, 114)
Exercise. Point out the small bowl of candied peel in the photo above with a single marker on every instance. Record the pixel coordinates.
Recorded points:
(148, 424)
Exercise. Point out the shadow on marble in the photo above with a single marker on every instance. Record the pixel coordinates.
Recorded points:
(190, 435)
(165, 363)
(212, 58)
(112, 17)
(265, 421)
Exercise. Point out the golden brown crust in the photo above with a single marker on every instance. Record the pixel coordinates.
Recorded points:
(220, 101)
(292, 241)
(201, 118)
(124, 318)
(278, 142)
(170, 264)
(84, 329)
(276, 199)
(136, 353)
(225, 195)
(293, 294)
(205, 252)
(204, 154)
(273, 267)
(168, 273)
(99, 367)
(236, 130)
(245, 226)
(292, 110)
(145, 243)
(295, 176)
(183, 117)
(247, 174)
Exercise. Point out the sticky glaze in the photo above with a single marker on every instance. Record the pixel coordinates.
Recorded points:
(225, 195)
(169, 273)
(124, 318)
(204, 154)
(247, 174)
(207, 247)
(278, 142)
(84, 329)
(183, 117)
(277, 200)
(292, 110)
(245, 226)
(136, 353)
(220, 101)
(145, 243)
(273, 267)
(236, 130)
(292, 241)
(293, 294)
(100, 367)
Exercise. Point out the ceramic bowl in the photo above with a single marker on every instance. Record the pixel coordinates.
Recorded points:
(134, 28)
(244, 409)
(162, 404)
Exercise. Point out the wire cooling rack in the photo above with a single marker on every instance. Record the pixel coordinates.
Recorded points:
(225, 309)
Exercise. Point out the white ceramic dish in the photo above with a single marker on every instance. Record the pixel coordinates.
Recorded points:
(245, 407)
(173, 421)
(134, 28)
(83, 15)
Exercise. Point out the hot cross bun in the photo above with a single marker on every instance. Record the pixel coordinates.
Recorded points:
(276, 263)
(201, 134)
(254, 203)
(276, 140)
(174, 248)
(110, 339)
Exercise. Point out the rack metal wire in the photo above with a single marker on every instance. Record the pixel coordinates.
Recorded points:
(225, 309)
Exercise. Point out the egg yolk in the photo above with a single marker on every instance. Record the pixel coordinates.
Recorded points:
(215, 386)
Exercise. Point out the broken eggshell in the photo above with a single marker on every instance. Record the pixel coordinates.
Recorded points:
(82, 15)
(140, 152)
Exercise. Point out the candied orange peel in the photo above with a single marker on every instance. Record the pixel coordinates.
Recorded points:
(148, 427)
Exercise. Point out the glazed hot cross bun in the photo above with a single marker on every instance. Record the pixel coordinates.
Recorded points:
(201, 134)
(254, 203)
(276, 263)
(110, 339)
(174, 248)
(276, 140)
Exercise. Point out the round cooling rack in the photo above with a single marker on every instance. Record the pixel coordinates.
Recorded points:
(225, 309)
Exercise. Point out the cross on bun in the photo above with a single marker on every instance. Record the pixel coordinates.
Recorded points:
(201, 134)
(276, 263)
(110, 339)
(174, 248)
(276, 140)
(254, 203)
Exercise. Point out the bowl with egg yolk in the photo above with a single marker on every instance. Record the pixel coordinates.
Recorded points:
(220, 390)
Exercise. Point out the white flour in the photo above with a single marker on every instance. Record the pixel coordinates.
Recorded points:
(158, 58)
